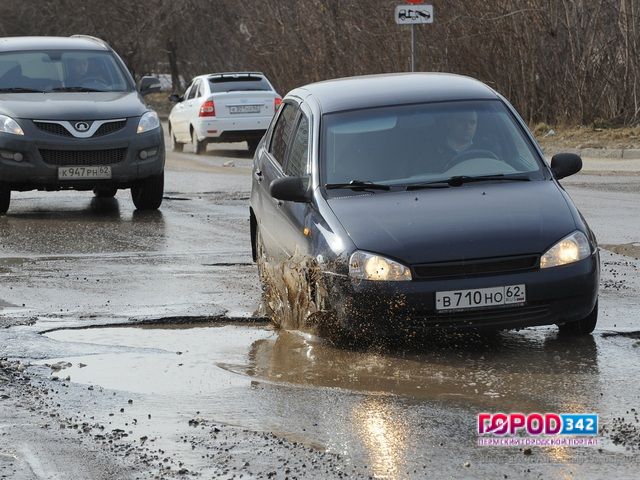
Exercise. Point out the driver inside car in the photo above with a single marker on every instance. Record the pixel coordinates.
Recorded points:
(81, 74)
(461, 141)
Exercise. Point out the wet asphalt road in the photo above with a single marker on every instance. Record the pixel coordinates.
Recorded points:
(187, 381)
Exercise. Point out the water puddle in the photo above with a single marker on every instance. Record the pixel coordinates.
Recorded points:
(389, 409)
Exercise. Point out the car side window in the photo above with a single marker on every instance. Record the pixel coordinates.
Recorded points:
(187, 92)
(282, 132)
(194, 89)
(298, 153)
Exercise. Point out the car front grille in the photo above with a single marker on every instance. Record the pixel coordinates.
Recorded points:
(536, 313)
(83, 157)
(111, 127)
(488, 266)
(57, 129)
(53, 128)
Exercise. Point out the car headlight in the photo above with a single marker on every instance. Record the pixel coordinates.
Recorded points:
(149, 121)
(570, 249)
(9, 125)
(368, 266)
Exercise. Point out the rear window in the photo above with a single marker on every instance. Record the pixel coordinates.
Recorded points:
(241, 83)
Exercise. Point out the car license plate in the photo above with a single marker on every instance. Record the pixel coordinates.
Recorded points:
(75, 173)
(244, 109)
(481, 297)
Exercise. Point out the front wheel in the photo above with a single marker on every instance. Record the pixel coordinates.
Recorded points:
(581, 327)
(5, 199)
(147, 194)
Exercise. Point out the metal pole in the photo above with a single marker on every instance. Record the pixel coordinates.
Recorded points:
(413, 48)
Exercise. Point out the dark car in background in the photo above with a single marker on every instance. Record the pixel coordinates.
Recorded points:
(72, 118)
(396, 203)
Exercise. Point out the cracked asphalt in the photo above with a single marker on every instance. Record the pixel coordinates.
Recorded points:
(131, 346)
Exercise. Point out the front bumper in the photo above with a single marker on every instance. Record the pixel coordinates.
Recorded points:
(33, 172)
(553, 296)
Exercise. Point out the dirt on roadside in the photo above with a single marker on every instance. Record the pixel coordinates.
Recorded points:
(577, 137)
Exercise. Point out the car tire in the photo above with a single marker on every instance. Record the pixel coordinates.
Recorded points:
(175, 145)
(581, 327)
(147, 194)
(5, 199)
(108, 192)
(253, 145)
(199, 146)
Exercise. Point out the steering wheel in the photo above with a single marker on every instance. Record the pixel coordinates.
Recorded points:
(468, 155)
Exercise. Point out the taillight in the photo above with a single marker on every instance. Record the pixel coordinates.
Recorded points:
(276, 103)
(208, 109)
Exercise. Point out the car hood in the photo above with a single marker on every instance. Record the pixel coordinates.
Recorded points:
(457, 223)
(72, 106)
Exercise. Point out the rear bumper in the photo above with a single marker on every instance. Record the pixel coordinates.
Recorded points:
(233, 129)
(33, 172)
(554, 296)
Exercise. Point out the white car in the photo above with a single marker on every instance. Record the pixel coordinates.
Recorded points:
(223, 107)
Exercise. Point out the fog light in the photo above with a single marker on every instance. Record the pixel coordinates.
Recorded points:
(17, 156)
(144, 154)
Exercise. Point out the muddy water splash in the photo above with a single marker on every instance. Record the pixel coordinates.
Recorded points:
(294, 293)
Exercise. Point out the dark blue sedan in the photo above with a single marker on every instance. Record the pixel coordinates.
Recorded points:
(391, 204)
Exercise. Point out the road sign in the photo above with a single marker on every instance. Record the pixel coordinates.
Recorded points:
(414, 14)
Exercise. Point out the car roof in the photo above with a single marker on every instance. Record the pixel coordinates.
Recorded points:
(393, 89)
(79, 42)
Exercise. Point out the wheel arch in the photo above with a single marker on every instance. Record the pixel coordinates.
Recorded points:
(253, 227)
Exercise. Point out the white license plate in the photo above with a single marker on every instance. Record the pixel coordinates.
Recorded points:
(245, 109)
(75, 173)
(481, 297)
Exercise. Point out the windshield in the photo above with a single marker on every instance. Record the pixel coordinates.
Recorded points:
(61, 70)
(412, 144)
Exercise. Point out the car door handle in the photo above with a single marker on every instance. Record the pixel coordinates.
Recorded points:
(259, 175)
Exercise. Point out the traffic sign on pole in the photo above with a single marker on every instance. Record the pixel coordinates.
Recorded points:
(414, 14)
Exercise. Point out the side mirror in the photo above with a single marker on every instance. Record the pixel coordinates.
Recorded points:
(175, 98)
(294, 189)
(149, 85)
(565, 164)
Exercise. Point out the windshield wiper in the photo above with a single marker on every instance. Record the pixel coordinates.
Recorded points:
(358, 185)
(462, 179)
(19, 90)
(76, 89)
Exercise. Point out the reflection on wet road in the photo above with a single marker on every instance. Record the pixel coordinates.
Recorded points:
(391, 410)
